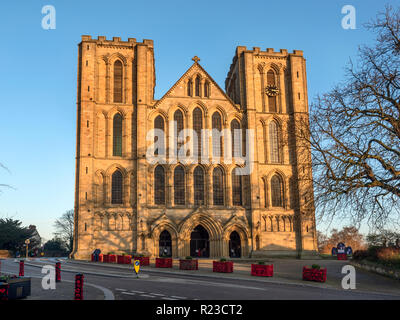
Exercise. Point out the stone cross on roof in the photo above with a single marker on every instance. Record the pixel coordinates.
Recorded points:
(196, 59)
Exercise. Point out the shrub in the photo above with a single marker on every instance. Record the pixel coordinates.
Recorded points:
(360, 254)
(388, 254)
(6, 278)
(188, 258)
(316, 266)
(261, 262)
(373, 253)
(222, 260)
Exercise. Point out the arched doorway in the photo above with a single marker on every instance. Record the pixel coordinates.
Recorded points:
(199, 242)
(235, 249)
(165, 244)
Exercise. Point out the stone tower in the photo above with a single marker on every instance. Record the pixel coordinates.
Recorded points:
(271, 87)
(99, 100)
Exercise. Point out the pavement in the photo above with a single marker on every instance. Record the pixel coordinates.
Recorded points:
(286, 271)
(113, 281)
(64, 289)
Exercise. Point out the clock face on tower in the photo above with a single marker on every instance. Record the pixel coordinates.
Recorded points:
(271, 90)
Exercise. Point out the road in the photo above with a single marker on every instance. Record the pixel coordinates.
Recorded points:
(121, 284)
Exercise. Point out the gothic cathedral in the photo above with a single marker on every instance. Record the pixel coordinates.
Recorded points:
(255, 205)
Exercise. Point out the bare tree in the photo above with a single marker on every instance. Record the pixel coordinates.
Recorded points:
(355, 132)
(65, 229)
(2, 184)
(350, 236)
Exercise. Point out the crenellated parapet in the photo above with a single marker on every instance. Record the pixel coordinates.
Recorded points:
(102, 40)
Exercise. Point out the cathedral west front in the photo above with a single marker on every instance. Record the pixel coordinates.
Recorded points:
(202, 170)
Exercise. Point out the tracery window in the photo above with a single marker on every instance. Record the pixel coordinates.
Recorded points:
(217, 140)
(117, 135)
(116, 187)
(179, 185)
(159, 124)
(198, 181)
(218, 186)
(189, 87)
(276, 191)
(178, 118)
(235, 126)
(197, 86)
(274, 144)
(159, 185)
(236, 189)
(197, 127)
(206, 89)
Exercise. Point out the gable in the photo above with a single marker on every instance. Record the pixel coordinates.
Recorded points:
(180, 88)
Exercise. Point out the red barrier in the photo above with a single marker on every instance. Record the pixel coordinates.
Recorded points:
(186, 264)
(223, 266)
(21, 268)
(163, 262)
(4, 287)
(342, 256)
(58, 272)
(318, 275)
(125, 259)
(261, 270)
(128, 259)
(79, 286)
(144, 261)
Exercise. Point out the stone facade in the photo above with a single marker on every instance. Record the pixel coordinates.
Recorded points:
(266, 92)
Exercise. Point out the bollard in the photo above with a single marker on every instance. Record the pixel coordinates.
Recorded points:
(58, 271)
(79, 286)
(21, 268)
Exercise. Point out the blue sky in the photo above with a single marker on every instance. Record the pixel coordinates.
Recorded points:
(38, 72)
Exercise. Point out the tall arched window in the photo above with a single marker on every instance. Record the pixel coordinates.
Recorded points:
(198, 181)
(271, 99)
(197, 127)
(276, 191)
(235, 142)
(197, 86)
(189, 87)
(217, 139)
(117, 81)
(159, 185)
(179, 185)
(218, 186)
(159, 124)
(117, 135)
(178, 118)
(116, 187)
(236, 189)
(274, 144)
(206, 89)
(266, 201)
